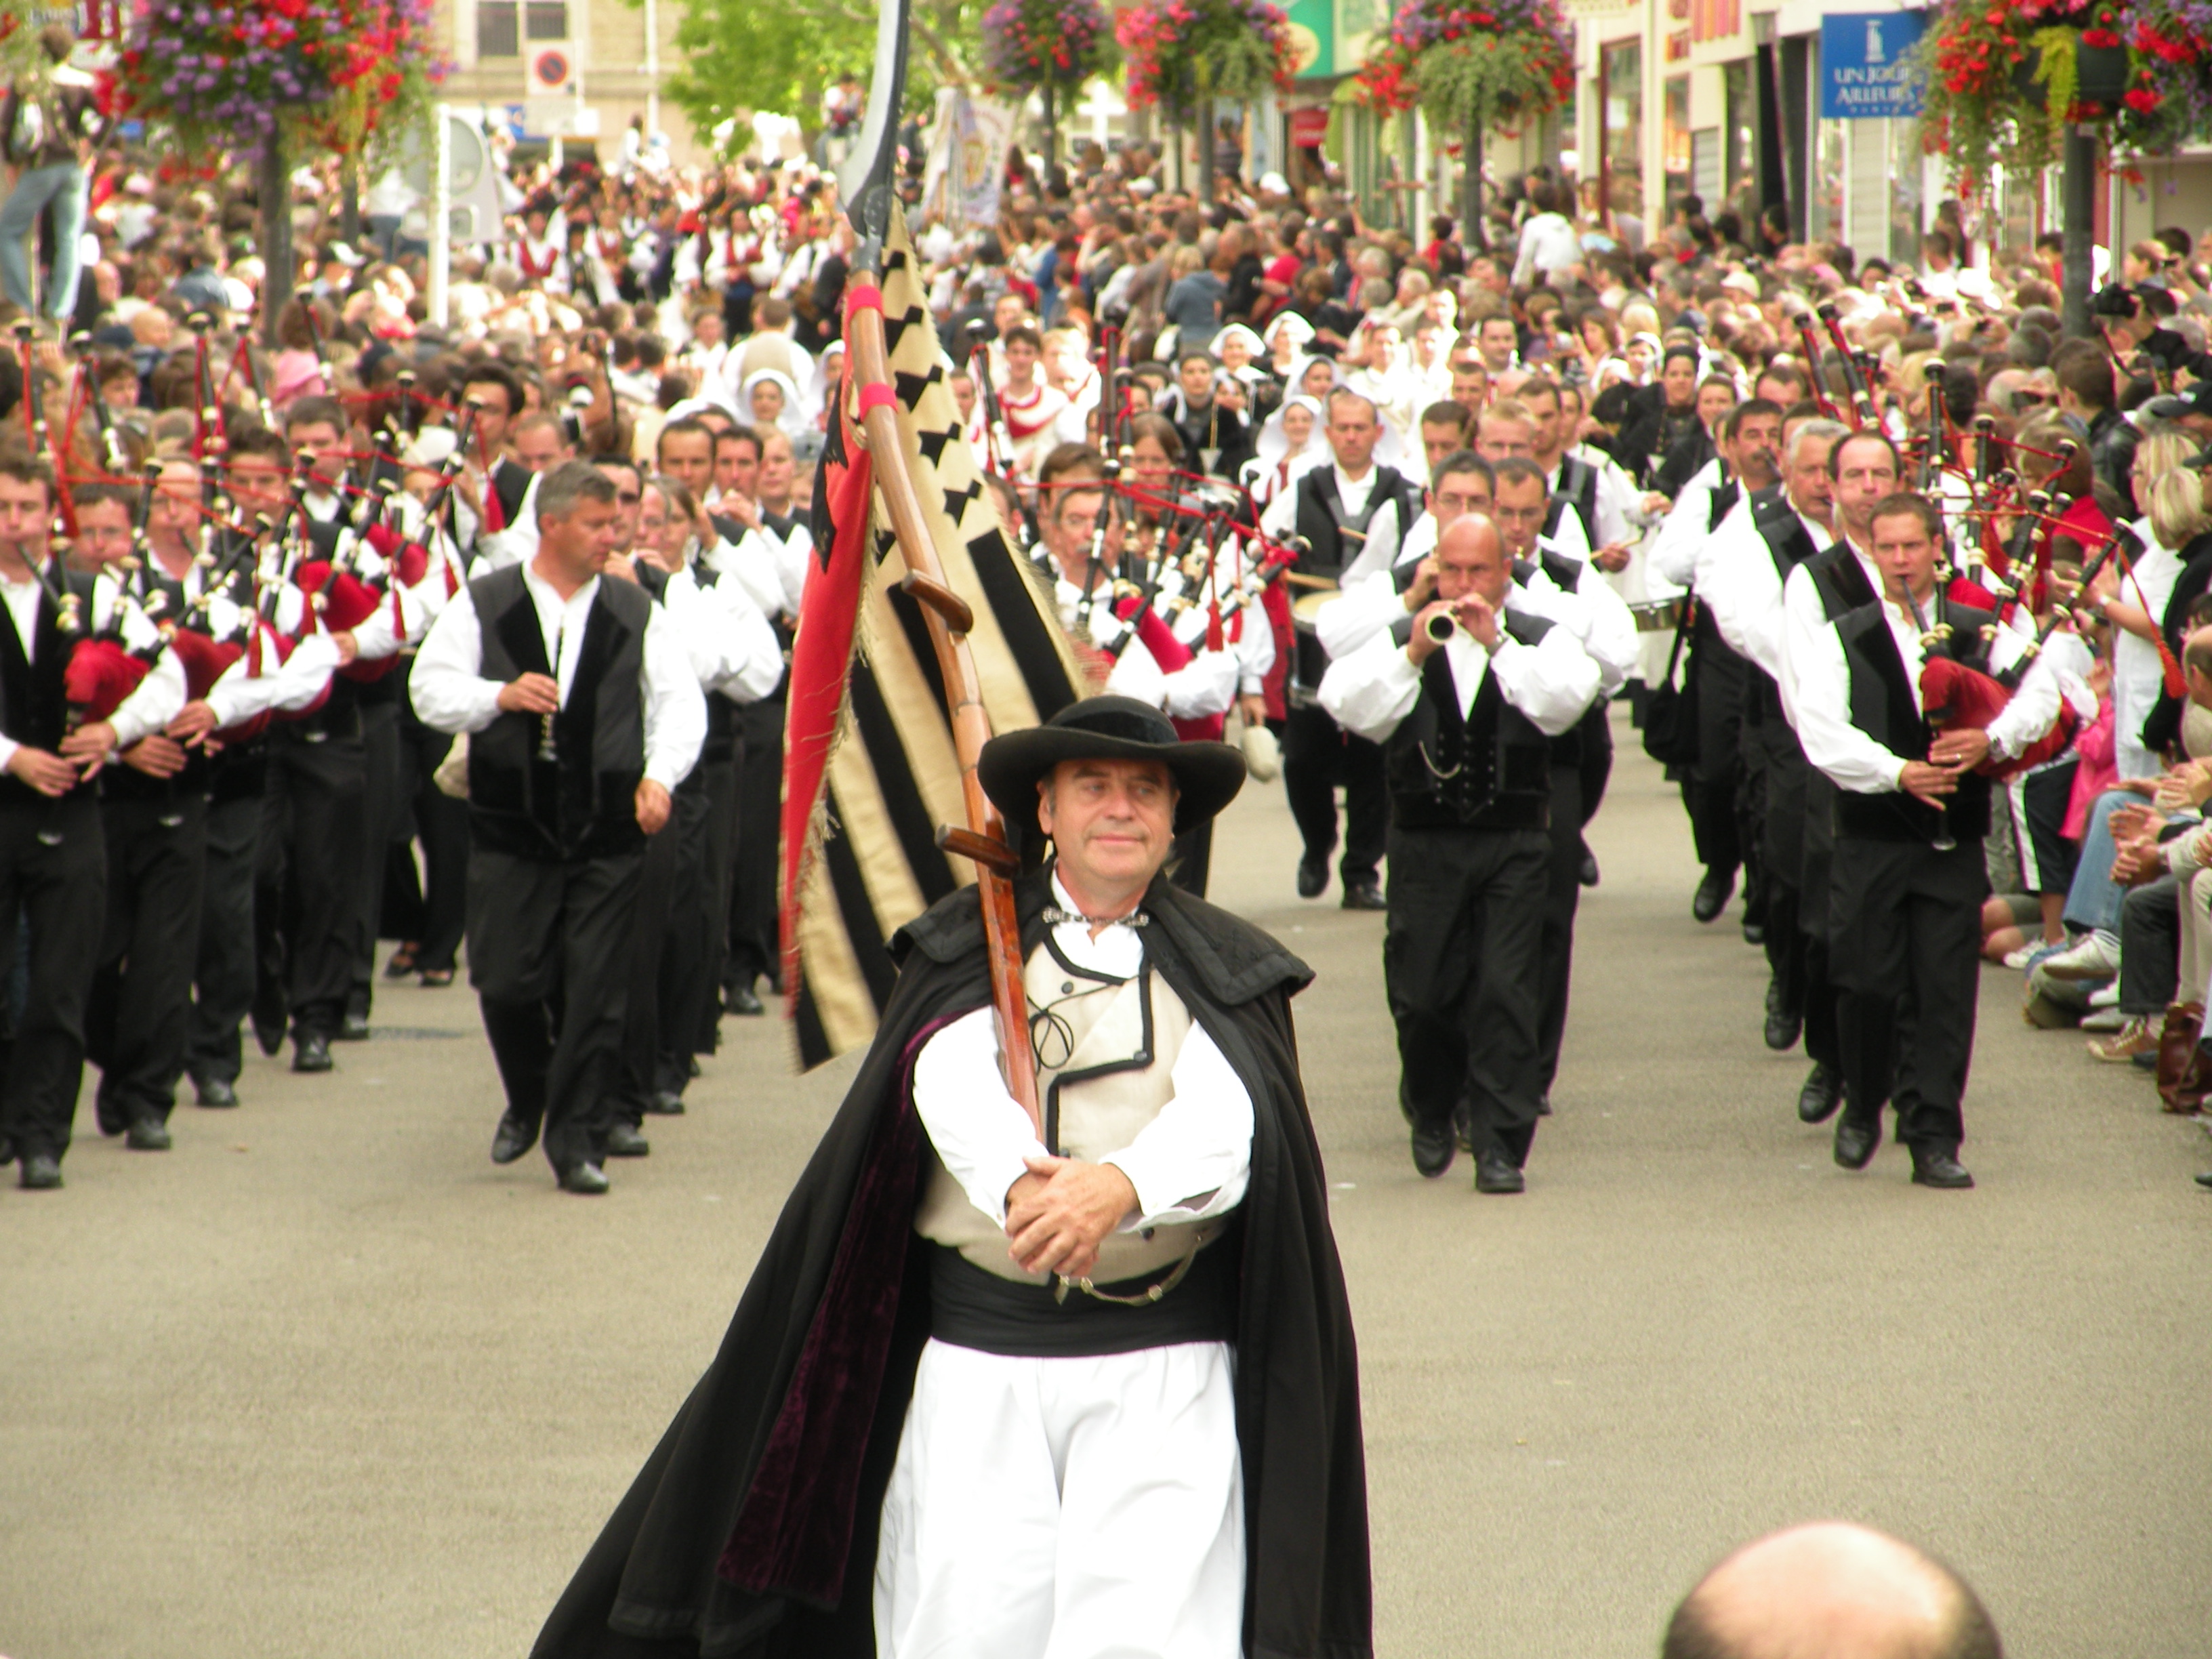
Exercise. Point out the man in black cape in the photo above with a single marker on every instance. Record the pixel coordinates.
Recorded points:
(753, 1529)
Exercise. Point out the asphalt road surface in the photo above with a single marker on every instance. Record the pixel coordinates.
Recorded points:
(322, 1383)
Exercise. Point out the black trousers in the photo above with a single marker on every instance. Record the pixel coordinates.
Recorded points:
(432, 911)
(222, 971)
(542, 938)
(1562, 893)
(717, 880)
(138, 1016)
(1905, 933)
(1816, 870)
(1596, 768)
(306, 900)
(2150, 948)
(1712, 786)
(753, 947)
(666, 945)
(1783, 786)
(384, 817)
(54, 880)
(1461, 954)
(1318, 755)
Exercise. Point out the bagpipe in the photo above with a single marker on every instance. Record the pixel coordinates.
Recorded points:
(1955, 696)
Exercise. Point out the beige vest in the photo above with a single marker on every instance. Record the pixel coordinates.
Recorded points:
(1097, 1115)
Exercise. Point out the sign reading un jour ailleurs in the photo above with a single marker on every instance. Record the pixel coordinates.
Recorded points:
(1865, 67)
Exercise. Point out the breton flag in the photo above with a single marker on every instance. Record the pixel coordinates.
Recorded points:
(870, 772)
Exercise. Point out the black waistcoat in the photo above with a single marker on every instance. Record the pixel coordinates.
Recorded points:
(580, 804)
(1789, 545)
(1577, 492)
(34, 695)
(1490, 768)
(1322, 519)
(1882, 707)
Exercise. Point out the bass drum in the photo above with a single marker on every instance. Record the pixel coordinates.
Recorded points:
(1308, 662)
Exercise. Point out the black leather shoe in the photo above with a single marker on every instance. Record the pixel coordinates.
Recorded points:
(148, 1134)
(1857, 1140)
(587, 1178)
(1712, 895)
(666, 1102)
(41, 1173)
(109, 1124)
(1433, 1149)
(1366, 896)
(1544, 1104)
(310, 1052)
(1755, 933)
(694, 1071)
(1588, 874)
(353, 1028)
(1934, 1167)
(741, 1000)
(625, 1141)
(513, 1139)
(2205, 1181)
(1782, 1029)
(1494, 1172)
(269, 1030)
(1312, 878)
(1822, 1093)
(214, 1092)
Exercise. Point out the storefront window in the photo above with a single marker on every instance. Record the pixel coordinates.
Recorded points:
(1830, 150)
(1675, 143)
(1620, 136)
(1905, 195)
(1740, 140)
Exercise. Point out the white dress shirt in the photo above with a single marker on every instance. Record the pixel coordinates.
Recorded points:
(1552, 682)
(1204, 686)
(1674, 552)
(1191, 1161)
(733, 649)
(451, 695)
(1738, 583)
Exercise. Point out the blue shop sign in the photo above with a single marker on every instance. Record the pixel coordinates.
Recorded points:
(1866, 69)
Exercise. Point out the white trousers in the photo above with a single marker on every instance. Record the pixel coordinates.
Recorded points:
(1065, 1509)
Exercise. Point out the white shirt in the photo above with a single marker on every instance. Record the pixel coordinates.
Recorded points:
(1674, 552)
(450, 694)
(1375, 687)
(1548, 243)
(1204, 686)
(1191, 1161)
(1737, 582)
(733, 649)
(2138, 674)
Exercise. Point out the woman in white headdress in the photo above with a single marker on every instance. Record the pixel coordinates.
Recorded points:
(1285, 339)
(1290, 443)
(769, 397)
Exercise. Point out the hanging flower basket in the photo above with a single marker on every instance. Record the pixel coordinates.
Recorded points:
(1029, 45)
(1179, 52)
(2006, 78)
(1504, 64)
(233, 74)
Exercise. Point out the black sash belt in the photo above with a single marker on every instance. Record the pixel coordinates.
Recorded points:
(973, 1308)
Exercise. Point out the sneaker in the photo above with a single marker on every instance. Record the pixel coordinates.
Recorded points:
(2137, 1036)
(2094, 958)
(2106, 996)
(2028, 955)
(2105, 1019)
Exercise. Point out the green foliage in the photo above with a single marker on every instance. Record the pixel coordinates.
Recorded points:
(779, 56)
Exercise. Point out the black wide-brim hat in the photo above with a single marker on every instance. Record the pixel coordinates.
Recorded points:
(1208, 775)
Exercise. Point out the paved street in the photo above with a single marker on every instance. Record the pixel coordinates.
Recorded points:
(322, 1383)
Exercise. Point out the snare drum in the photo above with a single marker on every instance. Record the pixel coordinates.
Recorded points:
(1306, 610)
(1658, 616)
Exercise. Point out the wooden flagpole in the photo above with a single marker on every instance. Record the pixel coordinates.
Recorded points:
(865, 184)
